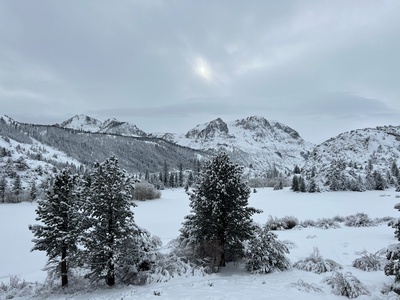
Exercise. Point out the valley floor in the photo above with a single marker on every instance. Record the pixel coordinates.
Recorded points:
(163, 217)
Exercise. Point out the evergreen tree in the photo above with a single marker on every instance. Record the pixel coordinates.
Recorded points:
(380, 182)
(33, 191)
(302, 185)
(220, 218)
(166, 174)
(295, 184)
(296, 170)
(180, 178)
(394, 169)
(17, 187)
(393, 254)
(112, 238)
(312, 186)
(190, 179)
(3, 188)
(58, 213)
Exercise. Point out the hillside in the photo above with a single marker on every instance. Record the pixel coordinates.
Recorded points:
(353, 157)
(59, 147)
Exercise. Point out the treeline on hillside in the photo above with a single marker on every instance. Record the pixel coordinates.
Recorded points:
(135, 154)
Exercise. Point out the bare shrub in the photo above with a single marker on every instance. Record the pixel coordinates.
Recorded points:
(287, 222)
(306, 287)
(346, 285)
(370, 261)
(359, 220)
(145, 191)
(317, 264)
(326, 223)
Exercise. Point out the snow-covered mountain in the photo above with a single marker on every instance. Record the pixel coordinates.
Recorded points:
(112, 126)
(251, 141)
(353, 156)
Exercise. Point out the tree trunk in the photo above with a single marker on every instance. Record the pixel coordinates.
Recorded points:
(110, 280)
(222, 262)
(64, 270)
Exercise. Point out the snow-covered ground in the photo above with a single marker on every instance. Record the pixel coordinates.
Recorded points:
(163, 217)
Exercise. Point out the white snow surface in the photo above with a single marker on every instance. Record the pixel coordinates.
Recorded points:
(163, 217)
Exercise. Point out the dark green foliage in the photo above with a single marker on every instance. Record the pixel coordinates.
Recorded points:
(220, 218)
(59, 232)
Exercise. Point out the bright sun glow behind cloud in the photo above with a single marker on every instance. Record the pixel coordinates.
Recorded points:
(202, 69)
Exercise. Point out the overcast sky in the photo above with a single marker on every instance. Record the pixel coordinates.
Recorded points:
(320, 67)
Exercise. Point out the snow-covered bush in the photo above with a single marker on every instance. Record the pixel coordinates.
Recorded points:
(290, 222)
(316, 263)
(169, 266)
(145, 191)
(287, 222)
(275, 223)
(346, 285)
(370, 261)
(306, 287)
(327, 223)
(359, 220)
(265, 254)
(307, 223)
(339, 219)
(16, 287)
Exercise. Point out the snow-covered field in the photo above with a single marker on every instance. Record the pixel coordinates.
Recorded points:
(163, 217)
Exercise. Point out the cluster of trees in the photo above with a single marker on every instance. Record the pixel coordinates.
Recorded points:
(347, 177)
(87, 222)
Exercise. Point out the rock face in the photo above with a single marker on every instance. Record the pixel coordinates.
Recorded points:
(251, 141)
(112, 126)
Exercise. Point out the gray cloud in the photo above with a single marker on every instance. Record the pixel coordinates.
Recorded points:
(182, 62)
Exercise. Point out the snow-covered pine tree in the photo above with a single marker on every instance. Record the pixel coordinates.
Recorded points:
(393, 255)
(58, 212)
(265, 253)
(220, 218)
(111, 238)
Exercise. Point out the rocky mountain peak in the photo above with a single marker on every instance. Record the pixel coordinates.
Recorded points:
(209, 130)
(82, 122)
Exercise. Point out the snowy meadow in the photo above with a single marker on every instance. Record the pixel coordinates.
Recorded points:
(163, 217)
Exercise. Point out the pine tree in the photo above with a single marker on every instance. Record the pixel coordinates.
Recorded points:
(220, 218)
(295, 184)
(112, 235)
(393, 254)
(394, 169)
(33, 191)
(380, 182)
(312, 186)
(17, 187)
(302, 185)
(3, 188)
(296, 170)
(58, 213)
(180, 178)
